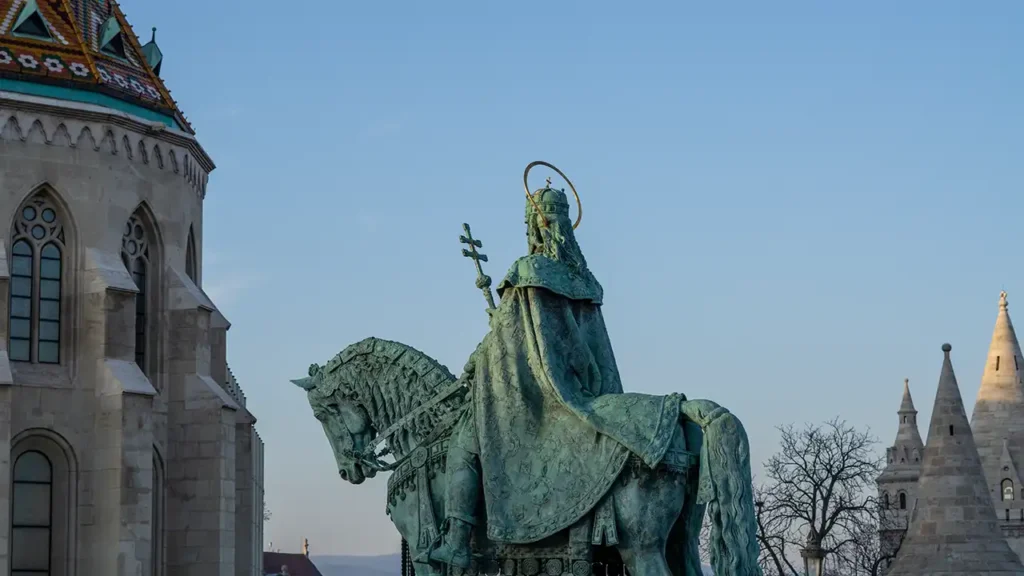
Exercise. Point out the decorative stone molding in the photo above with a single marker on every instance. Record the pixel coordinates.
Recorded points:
(52, 122)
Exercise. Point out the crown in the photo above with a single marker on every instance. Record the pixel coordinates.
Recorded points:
(547, 200)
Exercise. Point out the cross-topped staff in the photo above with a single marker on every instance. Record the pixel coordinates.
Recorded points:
(483, 281)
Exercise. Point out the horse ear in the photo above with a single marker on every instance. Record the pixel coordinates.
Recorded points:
(306, 384)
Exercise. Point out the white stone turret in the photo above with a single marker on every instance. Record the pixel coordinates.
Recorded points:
(998, 426)
(953, 530)
(897, 485)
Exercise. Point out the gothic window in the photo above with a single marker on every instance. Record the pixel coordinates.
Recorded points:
(917, 455)
(31, 515)
(135, 252)
(885, 499)
(1008, 492)
(903, 500)
(37, 270)
(190, 258)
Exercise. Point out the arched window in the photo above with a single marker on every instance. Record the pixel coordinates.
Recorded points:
(31, 514)
(37, 270)
(135, 252)
(903, 500)
(43, 521)
(885, 499)
(190, 257)
(1008, 493)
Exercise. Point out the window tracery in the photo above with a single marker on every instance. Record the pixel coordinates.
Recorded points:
(135, 248)
(1008, 492)
(37, 269)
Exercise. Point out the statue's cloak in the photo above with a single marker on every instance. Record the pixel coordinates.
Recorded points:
(554, 427)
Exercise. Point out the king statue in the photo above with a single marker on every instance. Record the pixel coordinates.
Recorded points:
(545, 439)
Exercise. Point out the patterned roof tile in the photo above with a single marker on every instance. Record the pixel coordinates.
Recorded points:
(73, 57)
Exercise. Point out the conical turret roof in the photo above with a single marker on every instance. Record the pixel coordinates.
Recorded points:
(905, 454)
(953, 529)
(998, 417)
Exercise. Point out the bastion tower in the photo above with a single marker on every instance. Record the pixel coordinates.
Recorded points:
(998, 426)
(897, 485)
(125, 443)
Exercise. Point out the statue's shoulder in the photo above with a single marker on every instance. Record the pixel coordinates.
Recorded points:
(541, 271)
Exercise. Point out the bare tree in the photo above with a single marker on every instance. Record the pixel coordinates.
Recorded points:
(820, 489)
(266, 512)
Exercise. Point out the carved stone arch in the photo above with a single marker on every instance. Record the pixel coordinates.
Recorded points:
(36, 133)
(44, 234)
(158, 155)
(86, 140)
(109, 142)
(127, 146)
(63, 463)
(142, 252)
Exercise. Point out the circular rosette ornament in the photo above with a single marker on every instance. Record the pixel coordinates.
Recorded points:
(419, 457)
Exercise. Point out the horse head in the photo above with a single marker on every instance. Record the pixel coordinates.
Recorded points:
(346, 423)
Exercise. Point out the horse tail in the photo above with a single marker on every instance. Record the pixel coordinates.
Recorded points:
(726, 487)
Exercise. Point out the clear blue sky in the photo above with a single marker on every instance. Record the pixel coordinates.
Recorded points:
(791, 207)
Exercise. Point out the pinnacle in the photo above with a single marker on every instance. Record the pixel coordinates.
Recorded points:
(907, 405)
(998, 417)
(953, 528)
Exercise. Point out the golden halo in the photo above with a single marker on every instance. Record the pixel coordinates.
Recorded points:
(526, 186)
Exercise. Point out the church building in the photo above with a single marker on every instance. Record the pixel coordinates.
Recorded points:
(125, 444)
(997, 431)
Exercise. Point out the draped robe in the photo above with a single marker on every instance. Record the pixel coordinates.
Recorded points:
(552, 424)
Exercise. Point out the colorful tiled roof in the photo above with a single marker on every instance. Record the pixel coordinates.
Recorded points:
(82, 44)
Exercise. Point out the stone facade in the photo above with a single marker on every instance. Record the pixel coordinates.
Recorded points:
(953, 529)
(115, 395)
(997, 427)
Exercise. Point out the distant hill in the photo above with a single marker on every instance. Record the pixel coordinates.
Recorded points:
(386, 565)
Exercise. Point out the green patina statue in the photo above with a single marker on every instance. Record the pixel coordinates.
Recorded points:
(535, 459)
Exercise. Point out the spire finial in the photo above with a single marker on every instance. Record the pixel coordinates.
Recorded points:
(1002, 300)
(547, 182)
(947, 348)
(153, 39)
(906, 384)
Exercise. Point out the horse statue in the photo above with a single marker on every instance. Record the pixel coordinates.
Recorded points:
(377, 392)
(535, 459)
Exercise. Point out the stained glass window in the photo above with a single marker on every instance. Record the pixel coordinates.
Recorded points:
(37, 275)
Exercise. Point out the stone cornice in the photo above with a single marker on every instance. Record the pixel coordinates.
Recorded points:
(74, 124)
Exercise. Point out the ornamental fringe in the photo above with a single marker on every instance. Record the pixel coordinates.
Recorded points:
(101, 137)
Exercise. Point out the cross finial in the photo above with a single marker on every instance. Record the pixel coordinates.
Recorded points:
(547, 182)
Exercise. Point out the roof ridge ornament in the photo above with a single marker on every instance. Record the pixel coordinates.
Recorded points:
(529, 196)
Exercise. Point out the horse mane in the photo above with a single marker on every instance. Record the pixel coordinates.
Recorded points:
(389, 379)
